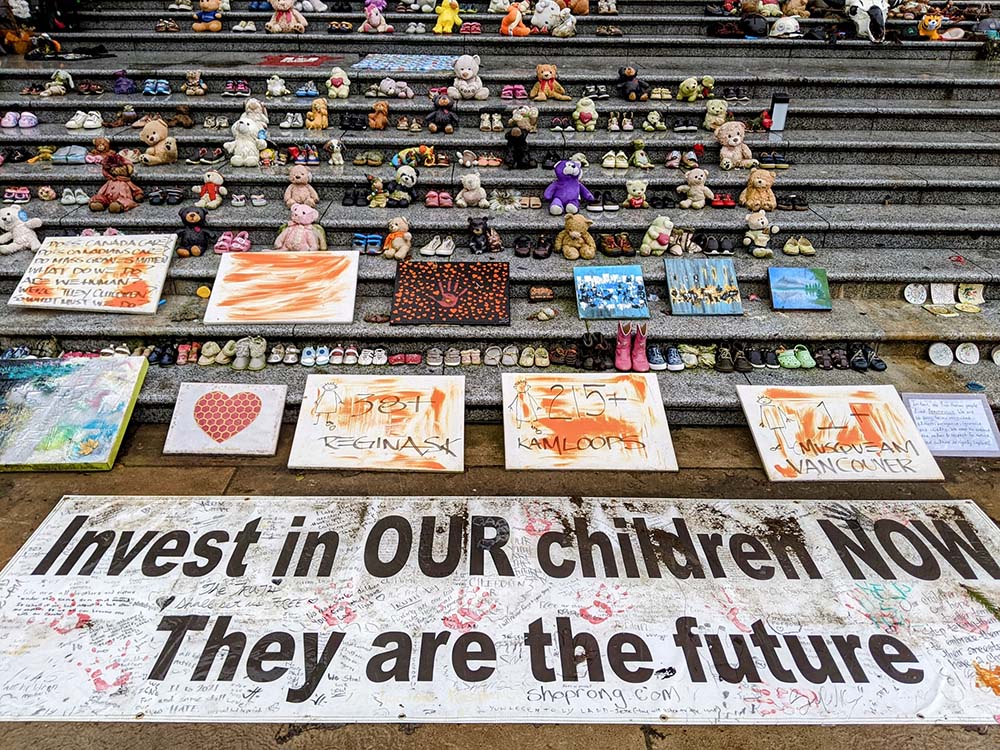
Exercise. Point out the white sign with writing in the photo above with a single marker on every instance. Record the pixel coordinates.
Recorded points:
(955, 424)
(498, 609)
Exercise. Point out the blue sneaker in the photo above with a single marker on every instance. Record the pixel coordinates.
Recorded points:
(674, 361)
(307, 89)
(162, 88)
(374, 244)
(655, 356)
(149, 87)
(359, 242)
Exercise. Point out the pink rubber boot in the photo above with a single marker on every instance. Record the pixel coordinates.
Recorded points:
(623, 349)
(639, 361)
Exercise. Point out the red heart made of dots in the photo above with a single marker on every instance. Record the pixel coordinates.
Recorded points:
(220, 416)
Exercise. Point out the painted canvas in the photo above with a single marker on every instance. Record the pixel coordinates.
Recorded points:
(381, 423)
(66, 414)
(799, 289)
(836, 434)
(703, 286)
(123, 273)
(610, 292)
(226, 419)
(451, 294)
(584, 421)
(278, 287)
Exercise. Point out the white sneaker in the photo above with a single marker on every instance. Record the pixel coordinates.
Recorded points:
(240, 27)
(93, 120)
(69, 199)
(298, 120)
(431, 247)
(288, 122)
(250, 27)
(77, 120)
(447, 247)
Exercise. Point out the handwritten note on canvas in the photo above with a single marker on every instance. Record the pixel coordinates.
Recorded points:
(955, 424)
(123, 273)
(586, 421)
(386, 423)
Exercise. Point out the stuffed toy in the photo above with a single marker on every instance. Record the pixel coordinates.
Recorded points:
(546, 15)
(575, 241)
(498, 6)
(336, 151)
(758, 234)
(630, 86)
(576, 7)
(398, 241)
(695, 189)
(585, 116)
(442, 118)
(483, 238)
(448, 18)
(467, 83)
(18, 231)
(566, 191)
(688, 90)
(517, 155)
(733, 152)
(524, 117)
(400, 188)
(255, 110)
(160, 147)
(395, 89)
(472, 194)
(338, 85)
(930, 26)
(716, 114)
(317, 118)
(208, 17)
(276, 87)
(375, 22)
(102, 147)
(118, 193)
(639, 158)
(285, 18)
(378, 118)
(377, 196)
(300, 234)
(869, 17)
(547, 85)
(795, 8)
(565, 27)
(244, 150)
(211, 191)
(193, 85)
(758, 195)
(59, 84)
(513, 22)
(656, 241)
(635, 192)
(707, 88)
(193, 238)
(299, 190)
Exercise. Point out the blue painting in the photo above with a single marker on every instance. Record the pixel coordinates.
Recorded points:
(703, 286)
(610, 292)
(799, 289)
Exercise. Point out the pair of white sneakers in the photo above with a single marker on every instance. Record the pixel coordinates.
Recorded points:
(292, 120)
(85, 120)
(245, 27)
(438, 246)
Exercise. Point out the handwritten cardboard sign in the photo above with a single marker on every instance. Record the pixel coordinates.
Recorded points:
(123, 273)
(836, 433)
(586, 421)
(955, 424)
(499, 609)
(381, 422)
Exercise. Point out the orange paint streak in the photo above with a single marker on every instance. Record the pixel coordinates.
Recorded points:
(786, 471)
(138, 288)
(988, 678)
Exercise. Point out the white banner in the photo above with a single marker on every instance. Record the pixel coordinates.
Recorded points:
(500, 609)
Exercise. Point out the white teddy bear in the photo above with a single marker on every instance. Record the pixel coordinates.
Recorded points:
(276, 86)
(338, 84)
(245, 148)
(18, 231)
(467, 83)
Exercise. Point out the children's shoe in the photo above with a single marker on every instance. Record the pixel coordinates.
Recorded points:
(10, 120)
(674, 361)
(654, 356)
(322, 356)
(623, 348)
(640, 363)
(673, 160)
(225, 243)
(163, 88)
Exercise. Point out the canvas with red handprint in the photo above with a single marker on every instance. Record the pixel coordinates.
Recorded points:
(452, 294)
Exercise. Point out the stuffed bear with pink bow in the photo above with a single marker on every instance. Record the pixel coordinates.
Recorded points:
(285, 18)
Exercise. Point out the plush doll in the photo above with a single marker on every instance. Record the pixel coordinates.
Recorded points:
(576, 7)
(336, 151)
(688, 90)
(758, 195)
(575, 241)
(318, 118)
(758, 234)
(695, 189)
(547, 85)
(338, 85)
(394, 89)
(211, 191)
(300, 234)
(375, 22)
(656, 241)
(930, 26)
(285, 18)
(795, 8)
(639, 158)
(161, 148)
(244, 150)
(208, 17)
(482, 237)
(254, 109)
(442, 118)
(299, 190)
(630, 86)
(467, 83)
(378, 118)
(517, 155)
(276, 87)
(524, 117)
(59, 84)
(193, 85)
(716, 114)
(546, 15)
(193, 238)
(565, 27)
(513, 22)
(733, 152)
(472, 194)
(18, 231)
(635, 191)
(118, 193)
(400, 188)
(398, 241)
(448, 18)
(566, 191)
(585, 116)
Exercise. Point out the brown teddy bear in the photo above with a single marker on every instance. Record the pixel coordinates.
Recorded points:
(733, 152)
(317, 118)
(118, 193)
(795, 8)
(208, 17)
(697, 192)
(547, 85)
(378, 118)
(758, 195)
(574, 241)
(285, 18)
(398, 241)
(161, 148)
(299, 190)
(576, 7)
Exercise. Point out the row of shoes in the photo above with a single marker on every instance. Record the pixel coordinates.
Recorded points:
(312, 355)
(248, 353)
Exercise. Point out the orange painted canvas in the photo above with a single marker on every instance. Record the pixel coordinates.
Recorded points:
(381, 423)
(836, 434)
(582, 421)
(277, 287)
(123, 273)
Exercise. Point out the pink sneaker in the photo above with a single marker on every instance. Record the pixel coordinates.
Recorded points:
(639, 361)
(225, 243)
(623, 349)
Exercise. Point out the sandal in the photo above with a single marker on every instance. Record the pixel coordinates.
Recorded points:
(788, 360)
(492, 356)
(806, 361)
(824, 359)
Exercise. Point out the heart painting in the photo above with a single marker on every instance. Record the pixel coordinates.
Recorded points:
(220, 416)
(226, 419)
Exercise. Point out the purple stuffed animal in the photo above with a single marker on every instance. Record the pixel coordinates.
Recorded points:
(566, 191)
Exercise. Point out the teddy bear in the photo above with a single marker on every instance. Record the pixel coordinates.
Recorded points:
(18, 230)
(299, 190)
(482, 237)
(472, 194)
(696, 191)
(276, 87)
(377, 196)
(467, 84)
(795, 8)
(211, 190)
(394, 89)
(375, 22)
(758, 195)
(575, 241)
(193, 85)
(707, 88)
(654, 122)
(688, 90)
(758, 234)
(566, 191)
(193, 238)
(630, 86)
(442, 117)
(513, 22)
(244, 150)
(733, 152)
(398, 241)
(448, 18)
(546, 14)
(338, 85)
(547, 85)
(378, 118)
(716, 114)
(517, 154)
(208, 17)
(565, 27)
(585, 115)
(118, 193)
(317, 118)
(160, 147)
(635, 194)
(285, 18)
(300, 234)
(656, 241)
(524, 117)
(400, 188)
(577, 7)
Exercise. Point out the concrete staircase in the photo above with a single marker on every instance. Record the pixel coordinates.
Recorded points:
(894, 146)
